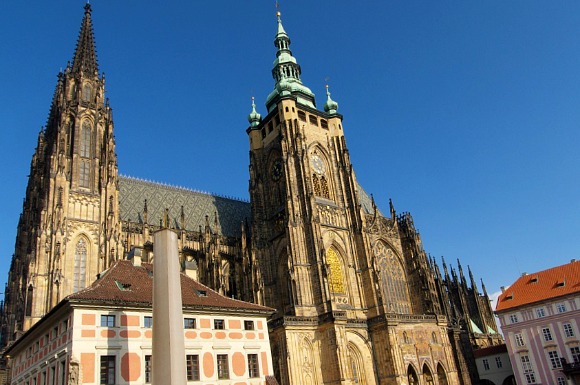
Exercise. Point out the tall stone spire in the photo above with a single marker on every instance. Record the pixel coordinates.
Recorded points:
(286, 73)
(85, 58)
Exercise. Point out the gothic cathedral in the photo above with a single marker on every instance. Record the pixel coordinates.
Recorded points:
(357, 299)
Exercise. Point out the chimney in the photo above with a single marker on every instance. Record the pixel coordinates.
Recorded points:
(135, 256)
(502, 289)
(191, 267)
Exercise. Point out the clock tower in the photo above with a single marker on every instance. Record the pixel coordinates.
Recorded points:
(307, 230)
(351, 287)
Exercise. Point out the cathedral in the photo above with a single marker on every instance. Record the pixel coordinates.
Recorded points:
(357, 298)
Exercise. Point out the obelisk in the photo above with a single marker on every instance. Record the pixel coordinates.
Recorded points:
(168, 367)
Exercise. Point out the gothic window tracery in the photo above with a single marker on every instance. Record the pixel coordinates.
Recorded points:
(80, 265)
(316, 183)
(324, 191)
(86, 92)
(335, 272)
(356, 365)
(85, 150)
(85, 140)
(393, 280)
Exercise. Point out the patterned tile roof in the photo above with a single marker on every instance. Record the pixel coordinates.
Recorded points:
(552, 283)
(125, 284)
(196, 205)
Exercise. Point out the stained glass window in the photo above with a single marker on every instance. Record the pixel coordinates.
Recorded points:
(79, 279)
(335, 276)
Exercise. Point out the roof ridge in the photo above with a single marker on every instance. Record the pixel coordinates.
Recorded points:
(182, 188)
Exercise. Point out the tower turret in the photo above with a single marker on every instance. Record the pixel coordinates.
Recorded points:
(70, 229)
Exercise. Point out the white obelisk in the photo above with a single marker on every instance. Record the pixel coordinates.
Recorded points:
(168, 367)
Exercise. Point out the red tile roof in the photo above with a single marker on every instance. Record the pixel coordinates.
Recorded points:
(552, 283)
(490, 350)
(125, 284)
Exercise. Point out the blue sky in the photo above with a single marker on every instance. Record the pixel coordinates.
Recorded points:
(464, 113)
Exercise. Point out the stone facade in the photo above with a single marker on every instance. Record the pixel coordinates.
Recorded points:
(357, 298)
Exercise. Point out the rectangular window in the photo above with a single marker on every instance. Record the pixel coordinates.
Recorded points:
(248, 325)
(222, 367)
(108, 370)
(526, 364)
(313, 120)
(575, 351)
(192, 366)
(108, 320)
(530, 378)
(519, 339)
(54, 332)
(513, 318)
(547, 334)
(189, 323)
(561, 381)
(554, 359)
(498, 362)
(52, 378)
(568, 331)
(43, 378)
(540, 312)
(561, 307)
(485, 364)
(147, 322)
(218, 324)
(148, 369)
(62, 373)
(253, 366)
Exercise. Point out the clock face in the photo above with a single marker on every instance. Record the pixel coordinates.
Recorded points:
(277, 170)
(317, 164)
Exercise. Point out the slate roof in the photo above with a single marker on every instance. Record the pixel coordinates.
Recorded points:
(552, 283)
(125, 284)
(231, 213)
(196, 205)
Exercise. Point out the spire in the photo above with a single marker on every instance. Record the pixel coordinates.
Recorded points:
(85, 58)
(483, 288)
(286, 73)
(473, 284)
(331, 106)
(254, 118)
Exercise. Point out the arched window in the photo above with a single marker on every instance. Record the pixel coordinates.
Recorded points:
(29, 295)
(356, 365)
(335, 276)
(85, 149)
(427, 376)
(412, 376)
(393, 280)
(441, 376)
(80, 266)
(85, 153)
(87, 92)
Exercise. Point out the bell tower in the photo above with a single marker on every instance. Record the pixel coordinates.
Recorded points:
(69, 229)
(307, 229)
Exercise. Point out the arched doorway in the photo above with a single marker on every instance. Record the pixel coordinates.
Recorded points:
(441, 376)
(427, 375)
(412, 376)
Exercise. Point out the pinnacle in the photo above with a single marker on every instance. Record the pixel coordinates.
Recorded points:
(85, 57)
